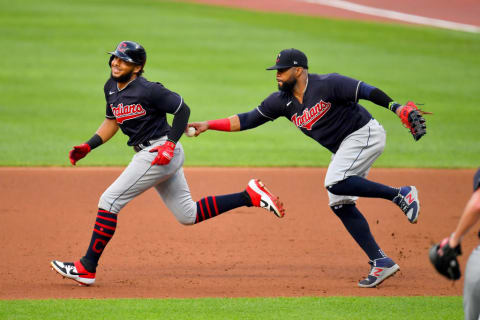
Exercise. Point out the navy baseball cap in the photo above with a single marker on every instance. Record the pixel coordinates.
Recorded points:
(290, 58)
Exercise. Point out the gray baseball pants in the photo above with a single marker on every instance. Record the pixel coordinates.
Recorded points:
(355, 156)
(139, 176)
(471, 288)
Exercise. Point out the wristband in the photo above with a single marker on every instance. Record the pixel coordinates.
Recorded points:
(393, 106)
(219, 125)
(94, 141)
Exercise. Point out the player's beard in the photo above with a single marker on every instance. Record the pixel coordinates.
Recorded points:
(287, 86)
(122, 79)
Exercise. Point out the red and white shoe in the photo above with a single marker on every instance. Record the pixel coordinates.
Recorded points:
(261, 197)
(74, 271)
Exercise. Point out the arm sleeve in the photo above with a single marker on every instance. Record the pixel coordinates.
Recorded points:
(252, 119)
(374, 95)
(179, 123)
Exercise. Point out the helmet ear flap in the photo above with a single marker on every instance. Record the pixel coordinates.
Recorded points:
(110, 61)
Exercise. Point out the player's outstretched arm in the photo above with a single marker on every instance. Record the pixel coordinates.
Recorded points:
(470, 216)
(106, 130)
(231, 123)
(238, 122)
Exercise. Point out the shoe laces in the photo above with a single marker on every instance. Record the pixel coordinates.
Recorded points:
(400, 201)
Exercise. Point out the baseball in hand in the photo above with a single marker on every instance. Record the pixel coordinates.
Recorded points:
(190, 132)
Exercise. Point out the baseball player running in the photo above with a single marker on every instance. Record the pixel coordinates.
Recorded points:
(138, 107)
(444, 255)
(326, 109)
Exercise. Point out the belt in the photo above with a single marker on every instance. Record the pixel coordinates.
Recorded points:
(143, 145)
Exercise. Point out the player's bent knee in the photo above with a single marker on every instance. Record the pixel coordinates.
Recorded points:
(187, 216)
(335, 200)
(335, 189)
(186, 221)
(108, 204)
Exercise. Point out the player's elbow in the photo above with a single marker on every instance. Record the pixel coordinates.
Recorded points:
(475, 201)
(476, 207)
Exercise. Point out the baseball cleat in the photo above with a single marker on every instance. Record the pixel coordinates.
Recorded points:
(263, 198)
(380, 270)
(74, 271)
(407, 200)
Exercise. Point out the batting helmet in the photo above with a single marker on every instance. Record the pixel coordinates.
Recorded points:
(131, 52)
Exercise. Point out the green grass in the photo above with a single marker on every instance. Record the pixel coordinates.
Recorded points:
(54, 66)
(331, 308)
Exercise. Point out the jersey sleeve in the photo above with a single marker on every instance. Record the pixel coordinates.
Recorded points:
(271, 107)
(345, 88)
(108, 110)
(109, 113)
(252, 119)
(476, 180)
(164, 99)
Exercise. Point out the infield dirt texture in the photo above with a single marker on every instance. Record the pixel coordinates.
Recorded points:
(48, 213)
(245, 253)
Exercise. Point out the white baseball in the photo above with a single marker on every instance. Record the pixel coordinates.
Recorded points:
(190, 132)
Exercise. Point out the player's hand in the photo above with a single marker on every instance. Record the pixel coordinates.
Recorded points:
(165, 153)
(444, 259)
(199, 127)
(79, 152)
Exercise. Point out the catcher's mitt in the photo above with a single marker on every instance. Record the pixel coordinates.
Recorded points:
(412, 119)
(444, 259)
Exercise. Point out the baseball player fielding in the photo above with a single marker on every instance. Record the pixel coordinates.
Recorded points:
(325, 107)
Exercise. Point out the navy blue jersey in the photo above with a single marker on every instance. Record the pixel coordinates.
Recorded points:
(140, 108)
(329, 111)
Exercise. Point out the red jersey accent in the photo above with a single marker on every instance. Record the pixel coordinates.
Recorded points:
(124, 113)
(310, 116)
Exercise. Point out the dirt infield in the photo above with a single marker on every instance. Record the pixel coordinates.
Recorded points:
(48, 213)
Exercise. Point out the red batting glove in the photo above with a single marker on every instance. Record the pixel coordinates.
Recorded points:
(78, 152)
(165, 153)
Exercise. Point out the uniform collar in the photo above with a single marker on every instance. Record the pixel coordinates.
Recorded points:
(126, 85)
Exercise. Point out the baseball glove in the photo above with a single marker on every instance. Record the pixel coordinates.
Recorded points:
(444, 259)
(412, 119)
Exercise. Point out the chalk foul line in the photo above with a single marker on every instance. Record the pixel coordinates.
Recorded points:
(395, 15)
